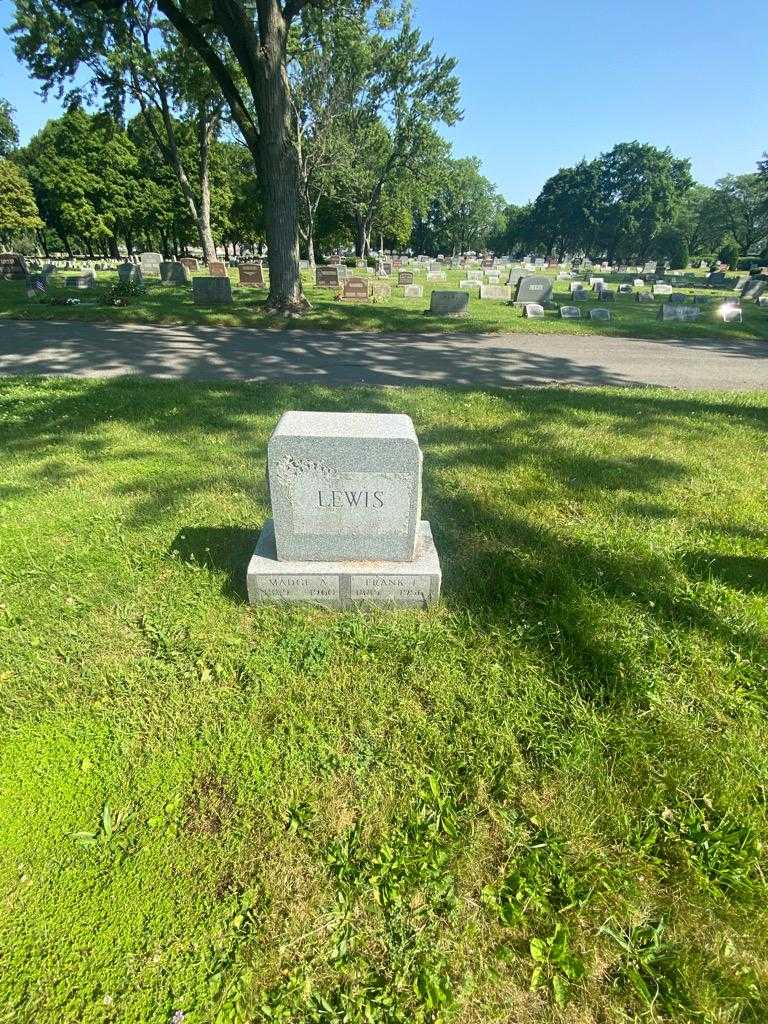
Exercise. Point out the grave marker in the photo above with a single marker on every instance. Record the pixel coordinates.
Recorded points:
(355, 289)
(496, 291)
(537, 290)
(449, 303)
(327, 277)
(212, 291)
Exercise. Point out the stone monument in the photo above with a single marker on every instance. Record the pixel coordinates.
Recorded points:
(346, 505)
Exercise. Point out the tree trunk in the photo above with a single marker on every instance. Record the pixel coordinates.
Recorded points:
(114, 251)
(205, 128)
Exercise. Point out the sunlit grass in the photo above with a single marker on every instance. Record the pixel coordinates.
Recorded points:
(553, 780)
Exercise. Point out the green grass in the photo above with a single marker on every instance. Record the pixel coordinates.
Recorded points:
(173, 305)
(543, 800)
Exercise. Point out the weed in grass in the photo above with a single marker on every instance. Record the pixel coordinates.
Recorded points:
(650, 968)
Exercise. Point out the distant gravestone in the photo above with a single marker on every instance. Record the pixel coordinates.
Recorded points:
(716, 279)
(537, 290)
(469, 284)
(496, 291)
(731, 314)
(580, 295)
(515, 276)
(172, 272)
(189, 262)
(677, 311)
(380, 290)
(405, 277)
(251, 275)
(216, 269)
(129, 272)
(638, 282)
(475, 275)
(13, 267)
(599, 314)
(80, 281)
(150, 263)
(212, 291)
(449, 303)
(763, 300)
(662, 289)
(327, 277)
(385, 269)
(606, 295)
(625, 289)
(644, 297)
(413, 291)
(355, 289)
(754, 288)
(533, 311)
(678, 297)
(570, 312)
(436, 275)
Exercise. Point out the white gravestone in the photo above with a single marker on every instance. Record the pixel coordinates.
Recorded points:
(496, 291)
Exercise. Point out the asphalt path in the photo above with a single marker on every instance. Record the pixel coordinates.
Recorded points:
(359, 357)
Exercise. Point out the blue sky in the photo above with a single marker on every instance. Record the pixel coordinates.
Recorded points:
(544, 84)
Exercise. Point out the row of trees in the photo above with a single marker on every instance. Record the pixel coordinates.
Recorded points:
(638, 202)
(310, 122)
(289, 121)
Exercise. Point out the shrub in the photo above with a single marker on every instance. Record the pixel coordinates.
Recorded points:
(670, 245)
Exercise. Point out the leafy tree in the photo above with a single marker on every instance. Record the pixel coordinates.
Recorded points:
(131, 52)
(738, 208)
(83, 170)
(730, 251)
(640, 188)
(671, 246)
(466, 211)
(9, 134)
(18, 210)
(566, 213)
(389, 131)
(694, 220)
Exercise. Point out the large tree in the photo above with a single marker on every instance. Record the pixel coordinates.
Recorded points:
(738, 208)
(131, 53)
(9, 134)
(18, 209)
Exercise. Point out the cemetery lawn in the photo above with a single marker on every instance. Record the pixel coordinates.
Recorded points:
(543, 800)
(166, 304)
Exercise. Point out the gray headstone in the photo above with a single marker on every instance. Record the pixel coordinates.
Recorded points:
(405, 277)
(496, 291)
(345, 486)
(677, 311)
(444, 303)
(150, 263)
(212, 291)
(413, 291)
(13, 267)
(327, 277)
(172, 272)
(625, 289)
(469, 284)
(599, 314)
(731, 314)
(216, 268)
(754, 288)
(570, 312)
(129, 272)
(537, 290)
(662, 289)
(436, 275)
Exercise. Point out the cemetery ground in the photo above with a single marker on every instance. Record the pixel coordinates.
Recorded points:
(542, 800)
(168, 304)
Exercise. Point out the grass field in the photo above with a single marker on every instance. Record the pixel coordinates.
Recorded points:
(544, 800)
(169, 304)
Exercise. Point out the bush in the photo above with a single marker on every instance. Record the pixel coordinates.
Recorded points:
(121, 293)
(729, 252)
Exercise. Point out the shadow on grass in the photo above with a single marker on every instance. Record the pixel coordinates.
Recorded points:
(223, 549)
(593, 610)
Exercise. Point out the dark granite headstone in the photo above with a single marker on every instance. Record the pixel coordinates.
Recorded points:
(189, 262)
(251, 275)
(212, 291)
(355, 288)
(447, 303)
(534, 289)
(405, 277)
(13, 267)
(327, 277)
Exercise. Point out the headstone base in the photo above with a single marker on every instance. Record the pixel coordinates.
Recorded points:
(344, 584)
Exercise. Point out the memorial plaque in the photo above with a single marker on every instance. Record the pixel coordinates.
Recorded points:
(13, 267)
(449, 303)
(537, 290)
(216, 269)
(327, 277)
(251, 275)
(356, 289)
(313, 588)
(496, 291)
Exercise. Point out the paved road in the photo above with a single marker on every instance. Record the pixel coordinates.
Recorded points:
(194, 352)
